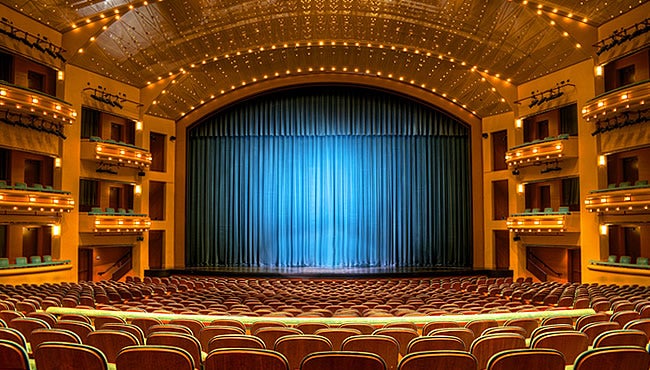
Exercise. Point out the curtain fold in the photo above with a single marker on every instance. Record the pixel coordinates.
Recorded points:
(335, 177)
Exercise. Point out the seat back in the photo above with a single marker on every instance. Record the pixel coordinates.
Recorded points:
(145, 322)
(235, 341)
(529, 359)
(639, 324)
(13, 335)
(188, 342)
(245, 359)
(311, 327)
(528, 324)
(296, 347)
(436, 343)
(342, 361)
(265, 324)
(596, 328)
(438, 360)
(485, 347)
(82, 329)
(100, 321)
(69, 356)
(270, 334)
(550, 328)
(623, 317)
(25, 325)
(569, 343)
(428, 327)
(154, 358)
(129, 328)
(13, 356)
(169, 328)
(40, 336)
(479, 326)
(111, 342)
(337, 335)
(622, 337)
(464, 334)
(628, 358)
(403, 336)
(361, 327)
(384, 346)
(229, 322)
(194, 325)
(210, 332)
(582, 321)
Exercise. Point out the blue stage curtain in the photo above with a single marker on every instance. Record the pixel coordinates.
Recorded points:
(329, 177)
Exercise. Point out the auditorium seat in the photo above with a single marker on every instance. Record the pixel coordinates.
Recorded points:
(45, 316)
(296, 347)
(82, 329)
(342, 361)
(169, 328)
(428, 327)
(569, 343)
(337, 335)
(69, 356)
(621, 337)
(154, 358)
(464, 334)
(127, 328)
(485, 347)
(13, 356)
(402, 335)
(529, 359)
(596, 328)
(384, 346)
(628, 358)
(438, 360)
(110, 342)
(194, 325)
(436, 343)
(185, 341)
(245, 359)
(235, 341)
(271, 334)
(40, 336)
(25, 325)
(210, 332)
(100, 321)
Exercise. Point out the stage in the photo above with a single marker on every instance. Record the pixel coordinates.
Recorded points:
(331, 273)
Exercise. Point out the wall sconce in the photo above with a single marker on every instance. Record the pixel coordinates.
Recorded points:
(137, 189)
(57, 162)
(520, 188)
(518, 123)
(604, 229)
(598, 71)
(138, 125)
(602, 161)
(56, 230)
(59, 75)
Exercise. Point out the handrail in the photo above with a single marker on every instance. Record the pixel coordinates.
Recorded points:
(537, 271)
(537, 259)
(118, 263)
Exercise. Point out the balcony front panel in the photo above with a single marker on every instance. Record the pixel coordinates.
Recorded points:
(120, 224)
(16, 201)
(539, 152)
(115, 153)
(543, 223)
(614, 104)
(32, 103)
(633, 199)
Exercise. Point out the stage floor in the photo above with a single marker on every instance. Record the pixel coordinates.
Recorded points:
(322, 272)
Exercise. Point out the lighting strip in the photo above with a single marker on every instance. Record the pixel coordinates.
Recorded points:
(617, 100)
(21, 200)
(536, 224)
(121, 224)
(535, 152)
(31, 102)
(123, 155)
(635, 200)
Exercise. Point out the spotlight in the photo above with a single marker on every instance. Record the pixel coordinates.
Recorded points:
(515, 172)
(172, 138)
(141, 173)
(516, 238)
(485, 135)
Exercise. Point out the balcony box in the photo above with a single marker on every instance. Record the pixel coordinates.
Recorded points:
(538, 152)
(38, 200)
(112, 221)
(115, 153)
(625, 198)
(544, 222)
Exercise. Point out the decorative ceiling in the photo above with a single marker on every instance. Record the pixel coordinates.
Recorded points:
(202, 49)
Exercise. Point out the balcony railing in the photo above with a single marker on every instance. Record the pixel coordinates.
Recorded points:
(619, 108)
(34, 109)
(625, 198)
(20, 198)
(547, 221)
(120, 221)
(116, 153)
(537, 152)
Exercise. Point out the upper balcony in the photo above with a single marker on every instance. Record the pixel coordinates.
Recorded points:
(38, 200)
(538, 152)
(544, 222)
(623, 199)
(35, 110)
(618, 108)
(114, 153)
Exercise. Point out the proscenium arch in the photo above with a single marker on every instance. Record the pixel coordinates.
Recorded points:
(394, 87)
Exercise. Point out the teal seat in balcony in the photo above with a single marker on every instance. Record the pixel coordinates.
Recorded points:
(626, 259)
(535, 210)
(625, 184)
(95, 138)
(21, 261)
(35, 260)
(47, 258)
(612, 258)
(95, 211)
(38, 187)
(20, 186)
(4, 262)
(642, 261)
(563, 137)
(130, 212)
(121, 211)
(548, 210)
(110, 210)
(527, 211)
(611, 186)
(641, 183)
(3, 184)
(563, 210)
